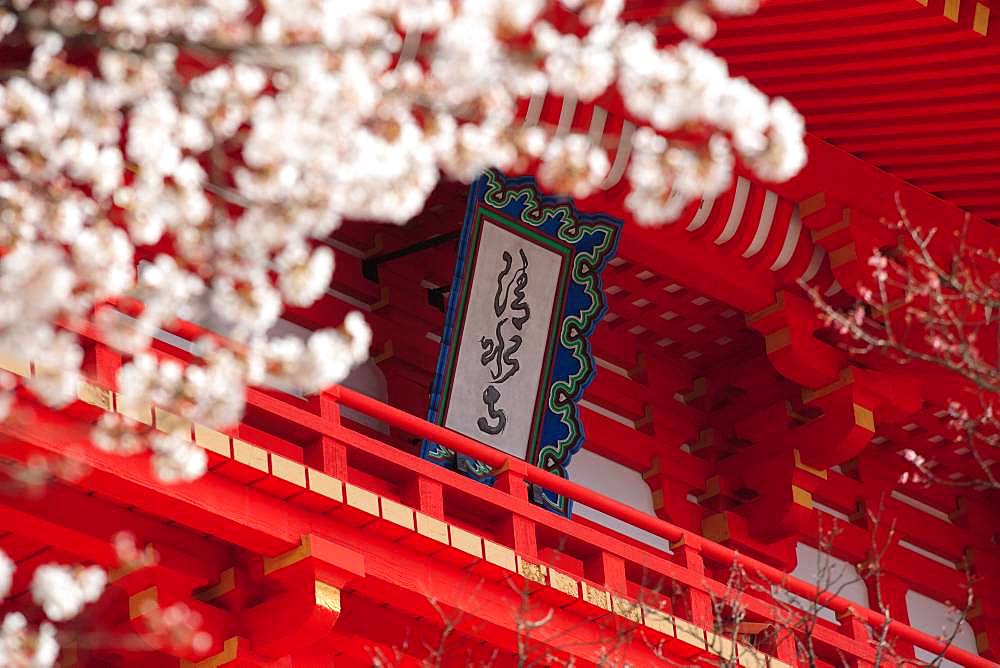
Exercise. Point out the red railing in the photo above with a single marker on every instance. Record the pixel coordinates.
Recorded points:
(715, 552)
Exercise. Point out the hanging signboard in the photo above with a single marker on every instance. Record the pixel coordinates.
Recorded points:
(515, 354)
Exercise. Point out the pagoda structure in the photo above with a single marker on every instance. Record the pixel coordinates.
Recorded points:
(724, 424)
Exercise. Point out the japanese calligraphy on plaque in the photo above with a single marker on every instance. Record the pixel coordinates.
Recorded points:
(515, 356)
(500, 353)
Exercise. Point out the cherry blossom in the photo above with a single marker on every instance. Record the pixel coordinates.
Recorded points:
(192, 158)
(595, 11)
(7, 568)
(63, 591)
(573, 165)
(304, 275)
(118, 434)
(201, 393)
(735, 7)
(665, 179)
(695, 22)
(927, 308)
(198, 156)
(326, 357)
(7, 384)
(21, 647)
(55, 380)
(694, 17)
(176, 459)
(583, 68)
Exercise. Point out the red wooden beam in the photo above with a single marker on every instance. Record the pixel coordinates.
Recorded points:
(764, 58)
(85, 526)
(263, 529)
(714, 551)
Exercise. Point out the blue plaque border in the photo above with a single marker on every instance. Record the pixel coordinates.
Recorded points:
(590, 241)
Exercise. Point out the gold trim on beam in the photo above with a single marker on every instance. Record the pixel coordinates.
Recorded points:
(532, 571)
(811, 205)
(647, 417)
(327, 596)
(595, 596)
(779, 303)
(286, 559)
(805, 467)
(845, 221)
(654, 468)
(801, 497)
(690, 633)
(699, 387)
(864, 418)
(325, 485)
(141, 411)
(378, 245)
(170, 423)
(951, 9)
(466, 541)
(499, 555)
(15, 366)
(383, 299)
(715, 527)
(627, 609)
(981, 23)
(564, 583)
(361, 499)
(227, 582)
(778, 340)
(798, 417)
(750, 657)
(431, 527)
(398, 514)
(288, 470)
(846, 378)
(712, 488)
(657, 497)
(230, 649)
(721, 646)
(705, 439)
(250, 455)
(658, 620)
(149, 556)
(94, 395)
(213, 440)
(843, 255)
(137, 602)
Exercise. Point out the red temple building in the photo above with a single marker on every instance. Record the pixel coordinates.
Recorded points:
(724, 421)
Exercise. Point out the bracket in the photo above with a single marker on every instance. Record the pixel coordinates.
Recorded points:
(369, 266)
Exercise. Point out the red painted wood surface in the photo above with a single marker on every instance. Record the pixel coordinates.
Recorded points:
(714, 382)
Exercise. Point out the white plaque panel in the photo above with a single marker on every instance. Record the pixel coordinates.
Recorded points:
(494, 366)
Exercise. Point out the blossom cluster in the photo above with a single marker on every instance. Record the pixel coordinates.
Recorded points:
(930, 302)
(192, 156)
(61, 592)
